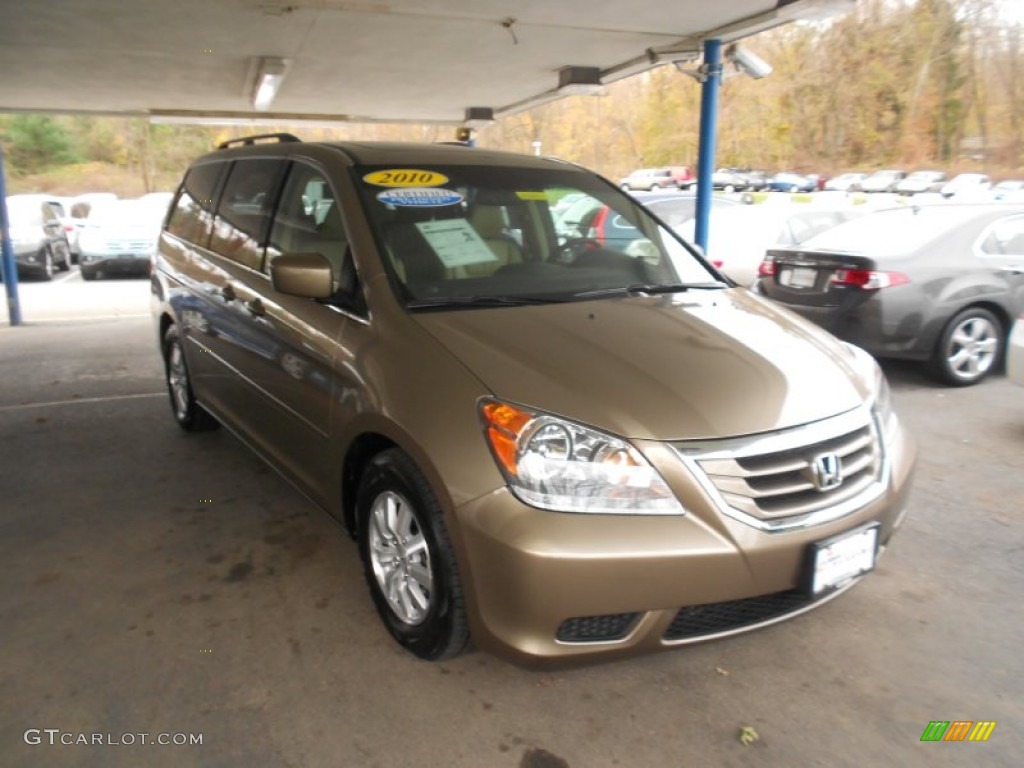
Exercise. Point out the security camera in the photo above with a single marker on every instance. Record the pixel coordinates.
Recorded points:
(748, 61)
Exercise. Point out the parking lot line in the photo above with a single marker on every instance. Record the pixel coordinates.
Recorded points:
(80, 400)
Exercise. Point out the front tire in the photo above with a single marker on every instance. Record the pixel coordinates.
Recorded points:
(969, 348)
(46, 272)
(408, 560)
(187, 412)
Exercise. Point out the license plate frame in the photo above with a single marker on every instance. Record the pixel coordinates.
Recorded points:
(800, 278)
(834, 562)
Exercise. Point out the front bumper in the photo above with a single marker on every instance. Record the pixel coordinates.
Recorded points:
(554, 588)
(115, 263)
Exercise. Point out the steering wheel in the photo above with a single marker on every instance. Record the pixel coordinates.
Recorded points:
(573, 247)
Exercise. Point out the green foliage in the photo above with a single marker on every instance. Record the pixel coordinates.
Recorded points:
(35, 143)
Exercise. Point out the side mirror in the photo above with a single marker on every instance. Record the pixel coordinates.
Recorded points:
(307, 275)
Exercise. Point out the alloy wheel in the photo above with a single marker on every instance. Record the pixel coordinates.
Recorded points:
(400, 558)
(972, 348)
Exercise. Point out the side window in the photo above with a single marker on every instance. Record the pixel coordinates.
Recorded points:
(50, 213)
(243, 215)
(192, 214)
(1005, 238)
(308, 220)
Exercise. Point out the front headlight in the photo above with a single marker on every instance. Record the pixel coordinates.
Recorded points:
(555, 464)
(868, 369)
(883, 403)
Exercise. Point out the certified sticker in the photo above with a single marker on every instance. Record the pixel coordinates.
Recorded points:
(405, 177)
(419, 197)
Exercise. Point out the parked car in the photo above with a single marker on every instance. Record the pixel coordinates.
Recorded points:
(78, 211)
(846, 182)
(1015, 352)
(752, 179)
(882, 181)
(936, 283)
(791, 182)
(591, 218)
(741, 235)
(677, 210)
(160, 200)
(1009, 190)
(921, 181)
(728, 181)
(38, 240)
(119, 237)
(561, 450)
(968, 186)
(671, 177)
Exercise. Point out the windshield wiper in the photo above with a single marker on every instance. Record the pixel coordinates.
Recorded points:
(649, 289)
(446, 302)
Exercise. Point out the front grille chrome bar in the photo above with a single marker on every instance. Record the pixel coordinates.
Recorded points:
(767, 481)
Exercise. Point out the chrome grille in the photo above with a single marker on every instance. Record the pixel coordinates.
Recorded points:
(768, 481)
(130, 246)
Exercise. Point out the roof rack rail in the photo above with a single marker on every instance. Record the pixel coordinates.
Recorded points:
(248, 141)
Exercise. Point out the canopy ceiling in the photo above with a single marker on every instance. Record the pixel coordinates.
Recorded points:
(395, 60)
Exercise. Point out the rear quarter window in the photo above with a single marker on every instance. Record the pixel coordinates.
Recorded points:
(191, 216)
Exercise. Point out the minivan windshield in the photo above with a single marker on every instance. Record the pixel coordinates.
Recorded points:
(474, 236)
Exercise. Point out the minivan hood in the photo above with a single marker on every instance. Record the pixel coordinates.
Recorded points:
(700, 364)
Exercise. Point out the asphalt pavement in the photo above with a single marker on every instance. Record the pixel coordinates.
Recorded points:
(167, 587)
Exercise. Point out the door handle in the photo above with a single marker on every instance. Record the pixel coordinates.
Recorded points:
(255, 308)
(228, 293)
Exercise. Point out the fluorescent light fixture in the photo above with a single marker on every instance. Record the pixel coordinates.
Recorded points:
(815, 10)
(478, 117)
(269, 76)
(674, 54)
(579, 81)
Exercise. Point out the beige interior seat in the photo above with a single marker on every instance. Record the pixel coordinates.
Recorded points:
(489, 223)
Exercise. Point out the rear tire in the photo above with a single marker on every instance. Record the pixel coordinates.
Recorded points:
(970, 347)
(408, 560)
(88, 274)
(187, 412)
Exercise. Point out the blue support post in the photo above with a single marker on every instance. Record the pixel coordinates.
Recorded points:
(712, 71)
(10, 268)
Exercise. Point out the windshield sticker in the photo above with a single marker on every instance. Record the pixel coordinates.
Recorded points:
(419, 197)
(405, 177)
(531, 195)
(456, 243)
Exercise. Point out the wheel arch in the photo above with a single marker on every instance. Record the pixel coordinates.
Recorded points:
(360, 453)
(1001, 314)
(164, 322)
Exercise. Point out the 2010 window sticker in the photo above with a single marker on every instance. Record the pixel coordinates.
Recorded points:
(405, 177)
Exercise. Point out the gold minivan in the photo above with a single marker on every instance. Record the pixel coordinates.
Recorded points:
(556, 443)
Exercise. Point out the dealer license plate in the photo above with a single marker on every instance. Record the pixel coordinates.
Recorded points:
(837, 560)
(799, 277)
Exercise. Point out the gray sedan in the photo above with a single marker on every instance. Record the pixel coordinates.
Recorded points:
(940, 284)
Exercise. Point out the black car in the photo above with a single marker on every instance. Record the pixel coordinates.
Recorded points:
(38, 239)
(937, 283)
